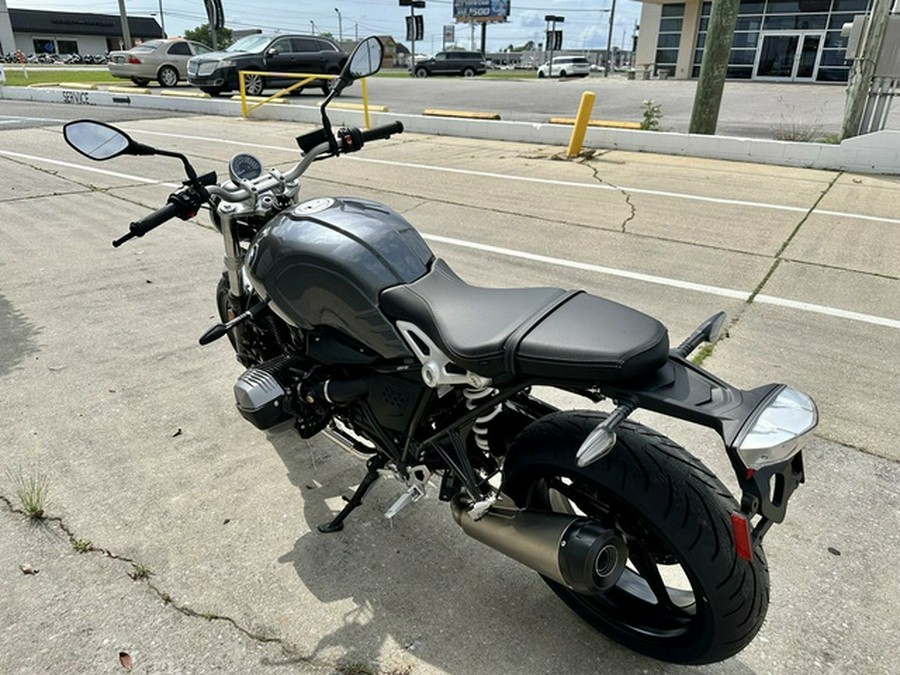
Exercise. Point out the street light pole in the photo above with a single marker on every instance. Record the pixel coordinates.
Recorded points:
(313, 26)
(552, 20)
(162, 19)
(340, 28)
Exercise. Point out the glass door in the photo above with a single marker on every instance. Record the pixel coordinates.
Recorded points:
(788, 56)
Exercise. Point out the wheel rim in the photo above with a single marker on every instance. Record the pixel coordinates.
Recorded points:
(168, 77)
(421, 72)
(468, 72)
(655, 598)
(253, 85)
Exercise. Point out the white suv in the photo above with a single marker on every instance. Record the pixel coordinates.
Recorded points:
(565, 66)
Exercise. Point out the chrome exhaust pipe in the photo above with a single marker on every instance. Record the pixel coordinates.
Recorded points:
(575, 551)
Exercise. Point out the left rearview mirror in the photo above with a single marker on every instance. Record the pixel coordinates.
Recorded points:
(366, 58)
(97, 140)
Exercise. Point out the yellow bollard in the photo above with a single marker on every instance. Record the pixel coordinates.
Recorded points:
(581, 122)
(365, 96)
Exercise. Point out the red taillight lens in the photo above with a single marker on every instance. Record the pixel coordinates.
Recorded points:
(741, 528)
(134, 59)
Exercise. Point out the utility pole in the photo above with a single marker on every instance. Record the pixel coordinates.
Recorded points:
(864, 67)
(312, 25)
(126, 31)
(609, 36)
(714, 67)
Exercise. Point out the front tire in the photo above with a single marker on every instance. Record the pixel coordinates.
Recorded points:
(253, 85)
(167, 76)
(685, 596)
(421, 72)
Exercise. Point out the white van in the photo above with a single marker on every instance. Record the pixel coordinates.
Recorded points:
(565, 66)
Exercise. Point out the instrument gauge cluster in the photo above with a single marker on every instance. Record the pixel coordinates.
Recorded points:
(244, 166)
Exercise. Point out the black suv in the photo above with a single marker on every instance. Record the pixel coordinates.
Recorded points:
(217, 72)
(466, 64)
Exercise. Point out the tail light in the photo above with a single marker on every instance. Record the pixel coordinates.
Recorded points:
(134, 59)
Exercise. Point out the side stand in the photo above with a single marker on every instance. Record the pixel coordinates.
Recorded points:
(373, 465)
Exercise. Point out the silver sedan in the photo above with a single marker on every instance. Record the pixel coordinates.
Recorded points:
(162, 60)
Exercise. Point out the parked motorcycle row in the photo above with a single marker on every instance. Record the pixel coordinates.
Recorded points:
(347, 325)
(63, 59)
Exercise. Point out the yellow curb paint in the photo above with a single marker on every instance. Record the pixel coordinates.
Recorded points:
(359, 106)
(435, 112)
(128, 90)
(616, 124)
(79, 85)
(185, 94)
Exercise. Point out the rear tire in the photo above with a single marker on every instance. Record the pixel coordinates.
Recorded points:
(140, 81)
(685, 597)
(468, 72)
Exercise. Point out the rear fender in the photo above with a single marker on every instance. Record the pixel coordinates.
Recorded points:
(763, 429)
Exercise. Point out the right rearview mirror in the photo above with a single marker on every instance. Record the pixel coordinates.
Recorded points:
(365, 59)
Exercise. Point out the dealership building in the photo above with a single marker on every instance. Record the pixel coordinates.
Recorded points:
(774, 40)
(42, 32)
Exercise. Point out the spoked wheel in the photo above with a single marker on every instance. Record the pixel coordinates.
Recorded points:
(685, 596)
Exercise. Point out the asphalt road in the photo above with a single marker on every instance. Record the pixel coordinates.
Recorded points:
(751, 109)
(104, 390)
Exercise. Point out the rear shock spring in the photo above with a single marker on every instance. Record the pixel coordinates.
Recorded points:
(480, 428)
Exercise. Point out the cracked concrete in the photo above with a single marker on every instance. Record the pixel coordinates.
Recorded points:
(91, 595)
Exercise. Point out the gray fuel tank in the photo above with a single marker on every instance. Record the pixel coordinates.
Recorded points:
(325, 262)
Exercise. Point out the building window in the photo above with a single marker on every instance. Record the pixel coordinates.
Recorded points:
(667, 42)
(66, 47)
(824, 17)
(44, 45)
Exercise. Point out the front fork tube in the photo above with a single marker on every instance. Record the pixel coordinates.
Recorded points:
(234, 255)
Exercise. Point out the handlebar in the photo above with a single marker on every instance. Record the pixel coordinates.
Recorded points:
(385, 131)
(141, 227)
(184, 204)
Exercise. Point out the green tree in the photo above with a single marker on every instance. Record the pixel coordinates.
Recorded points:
(203, 34)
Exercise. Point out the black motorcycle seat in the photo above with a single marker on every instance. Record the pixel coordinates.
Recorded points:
(543, 333)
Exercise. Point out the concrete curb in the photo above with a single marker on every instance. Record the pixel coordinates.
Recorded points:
(873, 153)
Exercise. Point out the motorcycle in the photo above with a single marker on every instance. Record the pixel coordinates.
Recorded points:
(348, 325)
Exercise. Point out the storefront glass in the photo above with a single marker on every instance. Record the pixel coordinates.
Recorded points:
(797, 40)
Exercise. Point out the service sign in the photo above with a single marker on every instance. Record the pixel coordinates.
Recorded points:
(480, 10)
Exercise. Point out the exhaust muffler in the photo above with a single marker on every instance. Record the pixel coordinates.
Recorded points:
(574, 551)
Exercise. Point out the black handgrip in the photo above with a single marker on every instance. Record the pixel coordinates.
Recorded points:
(385, 131)
(141, 227)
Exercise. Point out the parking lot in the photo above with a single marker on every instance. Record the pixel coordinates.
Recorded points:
(104, 390)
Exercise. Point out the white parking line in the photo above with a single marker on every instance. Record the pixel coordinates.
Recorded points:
(91, 169)
(545, 181)
(560, 262)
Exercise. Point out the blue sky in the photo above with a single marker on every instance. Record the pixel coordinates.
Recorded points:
(586, 24)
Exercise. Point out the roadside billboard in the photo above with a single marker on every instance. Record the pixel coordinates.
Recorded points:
(481, 11)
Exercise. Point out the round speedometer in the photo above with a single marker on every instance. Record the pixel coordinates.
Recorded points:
(244, 166)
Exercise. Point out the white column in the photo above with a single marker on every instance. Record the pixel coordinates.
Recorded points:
(7, 39)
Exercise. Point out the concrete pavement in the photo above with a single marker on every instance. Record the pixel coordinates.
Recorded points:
(104, 390)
